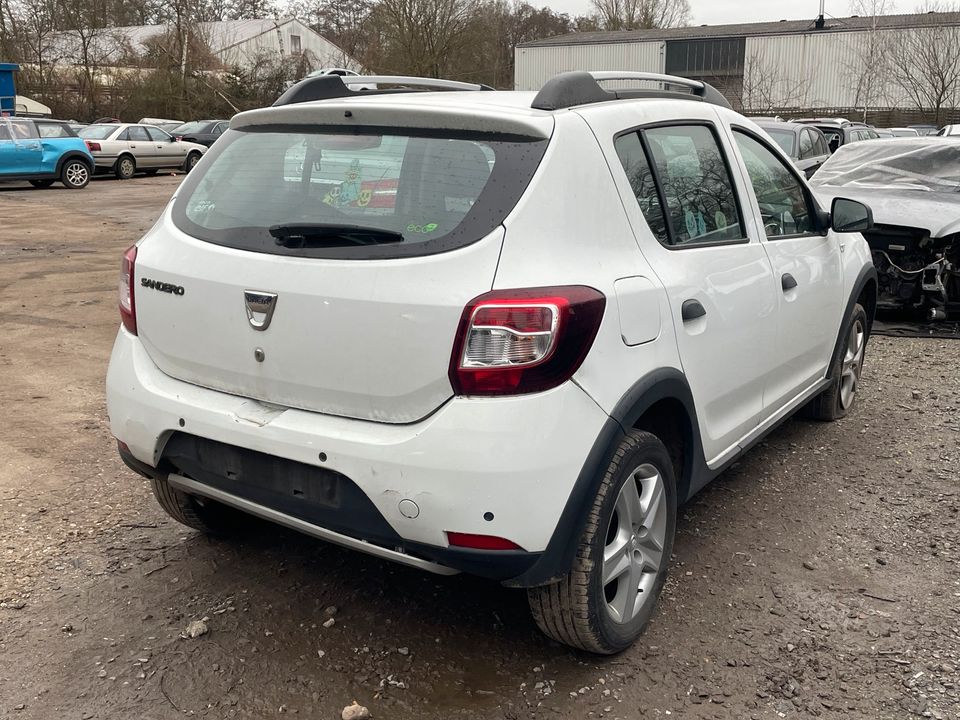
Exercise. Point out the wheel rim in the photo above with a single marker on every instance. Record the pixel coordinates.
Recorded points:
(126, 167)
(191, 161)
(852, 364)
(633, 553)
(77, 174)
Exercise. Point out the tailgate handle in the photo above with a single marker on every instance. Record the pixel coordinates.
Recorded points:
(788, 282)
(691, 310)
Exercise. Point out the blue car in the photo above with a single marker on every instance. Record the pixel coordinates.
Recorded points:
(43, 151)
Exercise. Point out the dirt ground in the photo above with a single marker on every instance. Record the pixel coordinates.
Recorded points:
(818, 577)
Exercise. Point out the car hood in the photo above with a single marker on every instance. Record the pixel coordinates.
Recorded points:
(937, 213)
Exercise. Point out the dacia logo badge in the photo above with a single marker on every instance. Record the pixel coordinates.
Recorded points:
(260, 306)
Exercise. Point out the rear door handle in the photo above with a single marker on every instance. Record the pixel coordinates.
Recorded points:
(788, 282)
(691, 310)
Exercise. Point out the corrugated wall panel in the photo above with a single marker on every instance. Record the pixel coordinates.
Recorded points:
(815, 70)
(533, 66)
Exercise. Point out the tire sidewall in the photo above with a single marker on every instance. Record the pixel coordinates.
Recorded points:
(858, 312)
(192, 159)
(66, 167)
(647, 450)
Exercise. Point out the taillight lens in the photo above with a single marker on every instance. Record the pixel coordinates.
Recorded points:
(128, 307)
(93, 146)
(521, 341)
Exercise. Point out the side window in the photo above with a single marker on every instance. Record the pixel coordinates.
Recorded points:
(784, 204)
(219, 128)
(806, 143)
(821, 146)
(692, 174)
(136, 133)
(23, 130)
(158, 135)
(53, 130)
(124, 136)
(634, 161)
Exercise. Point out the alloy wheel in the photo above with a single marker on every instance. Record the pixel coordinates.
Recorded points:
(77, 174)
(852, 364)
(633, 552)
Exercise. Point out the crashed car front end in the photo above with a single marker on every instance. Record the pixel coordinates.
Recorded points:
(913, 187)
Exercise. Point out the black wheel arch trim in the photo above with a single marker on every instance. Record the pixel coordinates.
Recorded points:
(74, 155)
(662, 384)
(868, 273)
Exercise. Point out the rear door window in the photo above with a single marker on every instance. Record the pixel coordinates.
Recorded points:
(408, 194)
(695, 181)
(137, 133)
(54, 130)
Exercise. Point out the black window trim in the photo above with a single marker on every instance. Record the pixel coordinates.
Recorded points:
(668, 220)
(813, 207)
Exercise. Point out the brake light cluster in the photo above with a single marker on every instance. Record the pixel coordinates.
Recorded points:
(128, 306)
(92, 146)
(511, 342)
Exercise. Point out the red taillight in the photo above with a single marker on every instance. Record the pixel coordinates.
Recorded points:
(520, 341)
(128, 306)
(481, 542)
(92, 146)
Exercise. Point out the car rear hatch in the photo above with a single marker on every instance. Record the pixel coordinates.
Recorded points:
(320, 266)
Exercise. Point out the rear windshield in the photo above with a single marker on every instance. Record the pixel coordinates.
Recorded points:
(97, 132)
(416, 193)
(191, 127)
(783, 138)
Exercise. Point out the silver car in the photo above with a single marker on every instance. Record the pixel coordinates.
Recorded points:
(126, 148)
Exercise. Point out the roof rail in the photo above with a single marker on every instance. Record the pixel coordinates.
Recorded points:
(326, 87)
(583, 88)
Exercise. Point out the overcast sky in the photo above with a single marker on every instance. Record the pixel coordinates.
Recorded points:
(717, 12)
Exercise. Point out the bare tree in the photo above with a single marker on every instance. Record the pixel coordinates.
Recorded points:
(768, 89)
(866, 72)
(924, 63)
(641, 14)
(423, 36)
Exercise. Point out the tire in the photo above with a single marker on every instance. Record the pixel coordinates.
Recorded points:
(201, 514)
(838, 399)
(41, 183)
(75, 174)
(125, 167)
(579, 610)
(191, 161)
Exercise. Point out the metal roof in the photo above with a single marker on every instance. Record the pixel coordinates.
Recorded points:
(783, 27)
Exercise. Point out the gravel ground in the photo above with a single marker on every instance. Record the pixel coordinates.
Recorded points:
(818, 577)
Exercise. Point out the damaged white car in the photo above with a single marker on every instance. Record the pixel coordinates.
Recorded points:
(913, 188)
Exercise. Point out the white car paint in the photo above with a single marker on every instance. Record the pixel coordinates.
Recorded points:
(363, 346)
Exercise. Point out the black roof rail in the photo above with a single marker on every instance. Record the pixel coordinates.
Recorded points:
(583, 88)
(326, 87)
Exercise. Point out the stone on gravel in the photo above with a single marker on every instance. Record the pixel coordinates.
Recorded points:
(330, 610)
(809, 565)
(403, 651)
(13, 605)
(355, 711)
(329, 623)
(195, 629)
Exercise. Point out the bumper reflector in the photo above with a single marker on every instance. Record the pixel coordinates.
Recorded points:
(480, 542)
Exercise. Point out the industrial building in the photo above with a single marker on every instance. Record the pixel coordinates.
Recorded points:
(823, 63)
(234, 43)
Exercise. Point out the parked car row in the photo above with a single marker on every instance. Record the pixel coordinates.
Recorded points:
(127, 148)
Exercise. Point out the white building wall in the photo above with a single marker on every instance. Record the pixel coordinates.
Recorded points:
(533, 66)
(277, 42)
(826, 70)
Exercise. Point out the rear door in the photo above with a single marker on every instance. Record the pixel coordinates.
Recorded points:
(328, 271)
(21, 153)
(139, 144)
(806, 265)
(718, 279)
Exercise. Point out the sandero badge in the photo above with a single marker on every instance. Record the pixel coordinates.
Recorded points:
(162, 286)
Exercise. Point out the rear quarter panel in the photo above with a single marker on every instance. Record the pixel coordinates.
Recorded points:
(55, 148)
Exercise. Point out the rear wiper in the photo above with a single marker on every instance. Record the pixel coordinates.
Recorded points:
(326, 234)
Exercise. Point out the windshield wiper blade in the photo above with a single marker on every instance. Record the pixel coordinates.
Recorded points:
(323, 234)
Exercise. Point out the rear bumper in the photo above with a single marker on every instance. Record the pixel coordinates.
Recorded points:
(515, 459)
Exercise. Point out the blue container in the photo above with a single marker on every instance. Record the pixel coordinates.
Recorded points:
(8, 89)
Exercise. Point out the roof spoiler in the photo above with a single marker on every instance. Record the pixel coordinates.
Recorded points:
(570, 89)
(327, 87)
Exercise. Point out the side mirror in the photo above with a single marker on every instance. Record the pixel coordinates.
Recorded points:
(848, 216)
